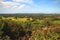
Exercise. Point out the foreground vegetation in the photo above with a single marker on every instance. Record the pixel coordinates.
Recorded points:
(30, 27)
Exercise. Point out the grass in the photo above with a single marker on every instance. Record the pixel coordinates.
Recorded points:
(41, 34)
(57, 21)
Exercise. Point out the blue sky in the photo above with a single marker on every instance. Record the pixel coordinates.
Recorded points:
(30, 6)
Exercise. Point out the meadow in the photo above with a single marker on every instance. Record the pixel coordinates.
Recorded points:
(29, 26)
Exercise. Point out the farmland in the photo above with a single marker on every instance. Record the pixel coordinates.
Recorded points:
(29, 26)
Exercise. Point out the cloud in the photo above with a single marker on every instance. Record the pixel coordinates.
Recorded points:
(19, 0)
(1, 1)
(7, 4)
(22, 6)
(19, 7)
(24, 1)
(15, 4)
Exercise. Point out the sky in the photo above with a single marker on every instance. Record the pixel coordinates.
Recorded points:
(29, 6)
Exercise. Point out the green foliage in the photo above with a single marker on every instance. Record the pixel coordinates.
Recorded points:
(25, 24)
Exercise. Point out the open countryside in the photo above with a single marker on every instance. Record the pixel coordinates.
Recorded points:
(29, 26)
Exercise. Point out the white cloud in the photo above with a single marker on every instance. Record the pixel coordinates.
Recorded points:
(1, 1)
(22, 6)
(7, 4)
(12, 5)
(19, 0)
(16, 4)
(25, 1)
(19, 7)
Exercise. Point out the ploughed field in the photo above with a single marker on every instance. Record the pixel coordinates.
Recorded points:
(30, 27)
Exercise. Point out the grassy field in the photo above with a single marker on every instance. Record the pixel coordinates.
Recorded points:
(57, 21)
(29, 27)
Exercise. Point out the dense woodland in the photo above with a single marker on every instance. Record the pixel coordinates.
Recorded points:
(29, 26)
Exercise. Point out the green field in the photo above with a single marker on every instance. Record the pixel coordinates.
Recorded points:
(57, 21)
(29, 27)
